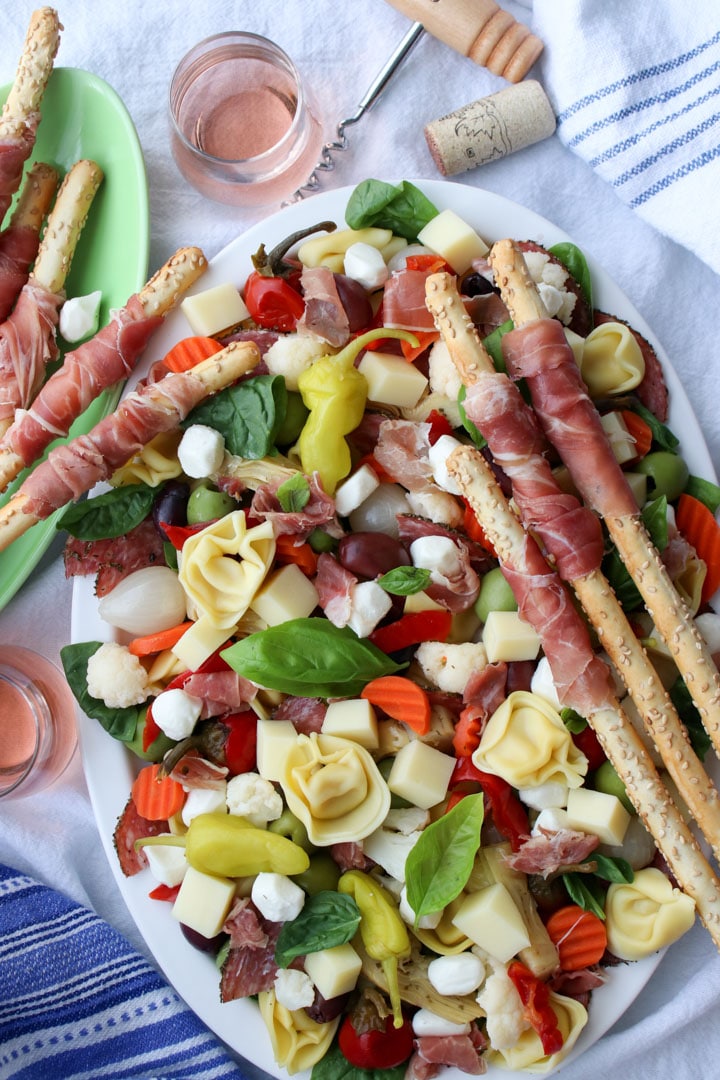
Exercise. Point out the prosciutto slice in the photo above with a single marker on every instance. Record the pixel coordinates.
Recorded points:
(318, 512)
(27, 346)
(93, 367)
(540, 354)
(324, 313)
(14, 152)
(404, 301)
(548, 852)
(570, 531)
(18, 248)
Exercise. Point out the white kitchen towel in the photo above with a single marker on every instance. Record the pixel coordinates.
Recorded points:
(636, 91)
(77, 1001)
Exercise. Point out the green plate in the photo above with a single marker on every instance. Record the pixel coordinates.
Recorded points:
(82, 117)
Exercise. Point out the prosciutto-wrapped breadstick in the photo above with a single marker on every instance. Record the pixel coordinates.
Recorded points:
(537, 351)
(582, 680)
(20, 115)
(27, 337)
(73, 468)
(571, 534)
(19, 242)
(97, 364)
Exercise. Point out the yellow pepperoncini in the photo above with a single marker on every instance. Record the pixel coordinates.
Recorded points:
(335, 392)
(382, 930)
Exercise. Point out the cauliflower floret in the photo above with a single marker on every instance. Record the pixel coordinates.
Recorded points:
(294, 989)
(250, 796)
(550, 277)
(503, 1008)
(450, 666)
(436, 505)
(442, 372)
(292, 354)
(116, 677)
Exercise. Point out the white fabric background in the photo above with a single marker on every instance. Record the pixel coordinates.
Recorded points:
(672, 1029)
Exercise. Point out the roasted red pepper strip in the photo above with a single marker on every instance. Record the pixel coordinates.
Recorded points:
(439, 425)
(587, 741)
(535, 997)
(272, 302)
(151, 730)
(411, 629)
(164, 892)
(178, 534)
(241, 742)
(508, 813)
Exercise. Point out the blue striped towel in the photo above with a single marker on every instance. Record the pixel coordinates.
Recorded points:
(635, 85)
(78, 1001)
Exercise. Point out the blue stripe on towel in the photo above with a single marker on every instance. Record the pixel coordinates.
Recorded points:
(77, 1002)
(691, 166)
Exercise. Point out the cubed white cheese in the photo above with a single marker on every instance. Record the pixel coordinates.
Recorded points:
(285, 594)
(276, 897)
(198, 643)
(167, 863)
(506, 636)
(201, 451)
(274, 740)
(352, 718)
(294, 989)
(453, 239)
(204, 801)
(428, 1023)
(391, 379)
(355, 490)
(176, 712)
(599, 813)
(203, 902)
(214, 310)
(491, 919)
(365, 263)
(438, 454)
(421, 774)
(334, 971)
(79, 316)
(459, 974)
(621, 441)
(251, 796)
(369, 603)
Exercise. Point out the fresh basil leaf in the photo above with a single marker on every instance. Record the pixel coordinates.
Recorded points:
(294, 493)
(120, 723)
(493, 345)
(309, 658)
(688, 713)
(247, 415)
(440, 863)
(575, 263)
(111, 514)
(402, 209)
(327, 919)
(573, 721)
(610, 868)
(405, 580)
(473, 431)
(705, 492)
(335, 1066)
(654, 515)
(661, 434)
(587, 892)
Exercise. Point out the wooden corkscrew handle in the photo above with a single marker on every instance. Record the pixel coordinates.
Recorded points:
(480, 30)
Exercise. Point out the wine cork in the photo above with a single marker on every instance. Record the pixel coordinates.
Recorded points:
(490, 128)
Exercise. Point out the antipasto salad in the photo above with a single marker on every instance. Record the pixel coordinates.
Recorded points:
(405, 620)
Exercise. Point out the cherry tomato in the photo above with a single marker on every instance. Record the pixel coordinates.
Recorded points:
(376, 1049)
(272, 302)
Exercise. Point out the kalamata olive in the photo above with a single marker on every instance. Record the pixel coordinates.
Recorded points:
(170, 506)
(368, 554)
(323, 1010)
(355, 301)
(476, 285)
(199, 941)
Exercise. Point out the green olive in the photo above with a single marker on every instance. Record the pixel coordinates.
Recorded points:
(321, 541)
(296, 413)
(668, 474)
(607, 780)
(207, 504)
(292, 827)
(322, 875)
(157, 749)
(495, 595)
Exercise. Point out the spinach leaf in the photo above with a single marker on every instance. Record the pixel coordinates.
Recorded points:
(335, 1066)
(493, 344)
(688, 713)
(587, 892)
(573, 721)
(661, 434)
(327, 919)
(108, 515)
(440, 863)
(403, 209)
(247, 415)
(120, 723)
(405, 580)
(611, 868)
(294, 493)
(705, 491)
(575, 263)
(473, 431)
(654, 515)
(309, 658)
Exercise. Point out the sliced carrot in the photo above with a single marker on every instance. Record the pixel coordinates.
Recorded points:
(190, 351)
(401, 699)
(156, 796)
(155, 643)
(700, 528)
(425, 339)
(287, 551)
(580, 937)
(640, 431)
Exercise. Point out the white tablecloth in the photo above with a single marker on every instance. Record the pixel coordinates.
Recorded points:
(672, 1028)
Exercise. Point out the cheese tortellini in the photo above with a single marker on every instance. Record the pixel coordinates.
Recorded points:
(335, 788)
(298, 1042)
(223, 566)
(526, 743)
(154, 464)
(612, 361)
(528, 1054)
(646, 914)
